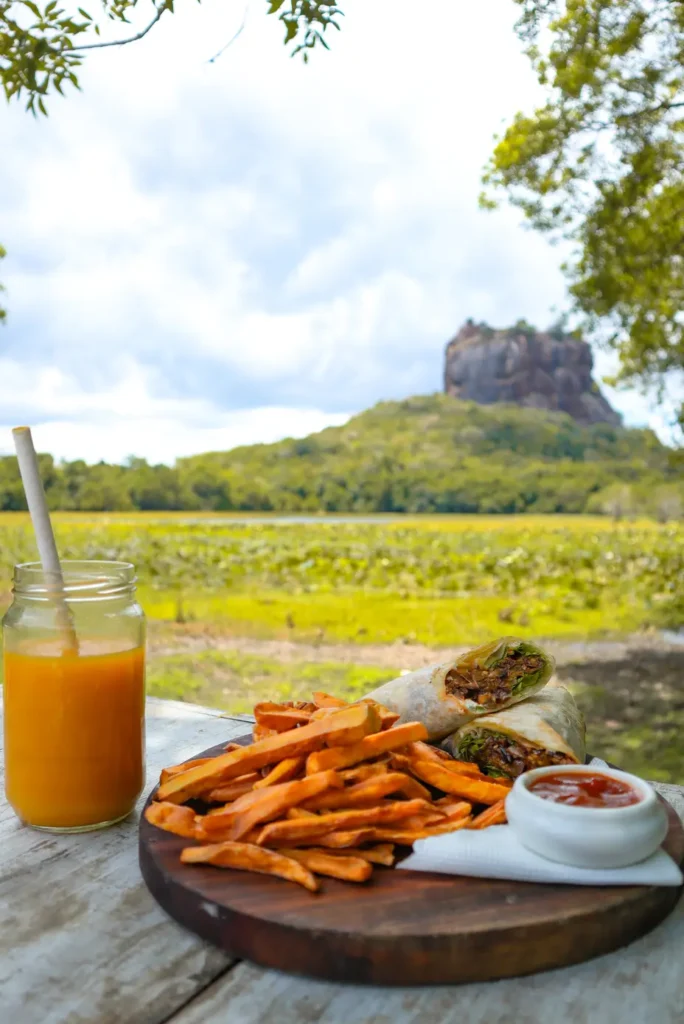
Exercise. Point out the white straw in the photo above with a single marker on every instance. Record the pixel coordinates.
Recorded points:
(42, 527)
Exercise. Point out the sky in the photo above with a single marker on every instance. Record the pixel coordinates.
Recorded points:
(202, 255)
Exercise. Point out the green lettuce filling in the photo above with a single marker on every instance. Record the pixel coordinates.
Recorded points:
(470, 749)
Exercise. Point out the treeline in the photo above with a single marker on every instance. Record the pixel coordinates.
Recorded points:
(430, 454)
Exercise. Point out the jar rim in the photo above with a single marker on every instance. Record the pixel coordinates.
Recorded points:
(80, 577)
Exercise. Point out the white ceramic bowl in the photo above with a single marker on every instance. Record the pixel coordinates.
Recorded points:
(587, 837)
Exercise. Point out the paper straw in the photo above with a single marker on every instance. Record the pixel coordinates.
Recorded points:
(42, 527)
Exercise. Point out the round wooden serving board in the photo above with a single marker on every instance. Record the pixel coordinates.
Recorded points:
(403, 927)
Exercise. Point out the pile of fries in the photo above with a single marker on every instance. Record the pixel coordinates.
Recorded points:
(326, 788)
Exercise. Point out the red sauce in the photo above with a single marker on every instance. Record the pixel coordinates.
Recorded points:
(585, 789)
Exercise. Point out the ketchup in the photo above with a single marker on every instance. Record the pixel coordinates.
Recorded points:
(585, 789)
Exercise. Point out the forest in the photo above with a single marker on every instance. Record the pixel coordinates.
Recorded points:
(427, 454)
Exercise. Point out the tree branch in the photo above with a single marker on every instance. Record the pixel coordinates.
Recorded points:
(233, 37)
(131, 39)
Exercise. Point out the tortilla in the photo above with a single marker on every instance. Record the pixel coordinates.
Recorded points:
(546, 729)
(486, 679)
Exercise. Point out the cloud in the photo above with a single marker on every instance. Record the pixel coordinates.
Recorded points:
(125, 417)
(256, 244)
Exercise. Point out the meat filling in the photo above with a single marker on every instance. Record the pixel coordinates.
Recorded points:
(512, 759)
(492, 686)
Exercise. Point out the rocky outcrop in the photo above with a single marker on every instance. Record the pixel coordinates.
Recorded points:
(541, 370)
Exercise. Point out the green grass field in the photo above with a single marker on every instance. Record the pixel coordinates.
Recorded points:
(438, 581)
(243, 610)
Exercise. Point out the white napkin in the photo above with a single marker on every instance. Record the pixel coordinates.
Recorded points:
(495, 852)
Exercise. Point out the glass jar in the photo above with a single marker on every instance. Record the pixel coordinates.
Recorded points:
(74, 695)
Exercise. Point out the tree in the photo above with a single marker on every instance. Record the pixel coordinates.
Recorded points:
(600, 164)
(42, 48)
(668, 503)
(617, 501)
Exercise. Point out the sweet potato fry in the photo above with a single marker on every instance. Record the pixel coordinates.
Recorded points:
(278, 717)
(473, 772)
(278, 799)
(299, 812)
(419, 822)
(414, 790)
(232, 790)
(262, 732)
(474, 790)
(268, 804)
(440, 815)
(320, 713)
(387, 717)
(445, 760)
(407, 837)
(349, 868)
(365, 749)
(347, 727)
(172, 818)
(363, 794)
(426, 752)
(326, 700)
(233, 807)
(281, 772)
(448, 826)
(344, 840)
(247, 857)
(397, 836)
(232, 746)
(305, 705)
(176, 769)
(222, 835)
(400, 762)
(363, 772)
(270, 705)
(381, 854)
(494, 815)
(454, 810)
(340, 821)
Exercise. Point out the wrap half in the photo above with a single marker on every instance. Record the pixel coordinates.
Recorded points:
(545, 730)
(488, 678)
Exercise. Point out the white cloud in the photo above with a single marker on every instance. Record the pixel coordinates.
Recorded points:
(125, 417)
(257, 244)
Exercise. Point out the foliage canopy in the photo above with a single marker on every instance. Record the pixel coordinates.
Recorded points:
(601, 164)
(42, 47)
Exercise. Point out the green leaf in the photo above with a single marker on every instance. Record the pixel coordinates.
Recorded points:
(290, 29)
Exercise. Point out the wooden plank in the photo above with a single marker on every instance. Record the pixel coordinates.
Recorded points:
(639, 983)
(81, 939)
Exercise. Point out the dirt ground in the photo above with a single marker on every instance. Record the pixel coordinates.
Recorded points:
(631, 691)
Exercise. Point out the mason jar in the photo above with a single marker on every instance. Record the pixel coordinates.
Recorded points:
(74, 696)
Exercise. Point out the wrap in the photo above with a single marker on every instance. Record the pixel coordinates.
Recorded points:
(547, 729)
(488, 678)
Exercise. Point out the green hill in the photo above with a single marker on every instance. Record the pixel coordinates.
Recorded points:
(435, 454)
(430, 453)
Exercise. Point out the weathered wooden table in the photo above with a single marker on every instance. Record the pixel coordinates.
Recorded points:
(82, 942)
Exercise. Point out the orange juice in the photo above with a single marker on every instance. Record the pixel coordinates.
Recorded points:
(74, 735)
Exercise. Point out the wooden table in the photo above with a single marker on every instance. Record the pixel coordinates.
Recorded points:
(82, 942)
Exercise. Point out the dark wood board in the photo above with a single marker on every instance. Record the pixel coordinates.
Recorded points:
(403, 927)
